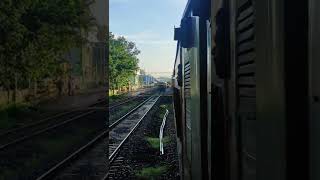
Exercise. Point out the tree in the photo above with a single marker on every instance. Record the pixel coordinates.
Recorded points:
(123, 61)
(34, 34)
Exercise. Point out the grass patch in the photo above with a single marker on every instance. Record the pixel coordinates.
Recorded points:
(10, 115)
(163, 110)
(6, 174)
(5, 121)
(161, 114)
(163, 106)
(113, 98)
(151, 172)
(155, 142)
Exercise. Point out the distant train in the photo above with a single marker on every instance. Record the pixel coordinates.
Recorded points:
(246, 87)
(162, 84)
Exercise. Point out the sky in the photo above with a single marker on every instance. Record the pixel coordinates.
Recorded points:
(150, 24)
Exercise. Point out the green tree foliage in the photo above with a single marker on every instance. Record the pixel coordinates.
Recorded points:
(123, 61)
(34, 35)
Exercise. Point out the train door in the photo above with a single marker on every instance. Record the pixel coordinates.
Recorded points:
(314, 96)
(219, 74)
(176, 86)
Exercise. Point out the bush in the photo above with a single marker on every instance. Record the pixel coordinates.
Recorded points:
(10, 114)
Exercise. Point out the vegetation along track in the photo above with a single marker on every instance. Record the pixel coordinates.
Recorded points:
(90, 161)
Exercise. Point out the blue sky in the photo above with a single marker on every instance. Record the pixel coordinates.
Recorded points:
(150, 24)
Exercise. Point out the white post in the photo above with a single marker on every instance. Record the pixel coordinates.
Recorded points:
(161, 132)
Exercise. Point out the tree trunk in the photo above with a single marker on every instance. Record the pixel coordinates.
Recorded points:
(117, 88)
(8, 95)
(14, 96)
(29, 82)
(35, 88)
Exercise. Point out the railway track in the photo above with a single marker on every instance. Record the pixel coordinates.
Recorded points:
(120, 133)
(14, 136)
(90, 160)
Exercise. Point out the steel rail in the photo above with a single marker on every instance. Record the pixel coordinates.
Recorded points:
(127, 114)
(73, 156)
(45, 120)
(2, 147)
(61, 115)
(39, 132)
(117, 150)
(51, 172)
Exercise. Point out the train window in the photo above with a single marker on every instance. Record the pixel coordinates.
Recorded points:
(179, 76)
(177, 34)
(187, 32)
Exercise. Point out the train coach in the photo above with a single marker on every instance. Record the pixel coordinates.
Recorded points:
(246, 90)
